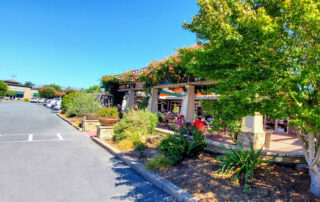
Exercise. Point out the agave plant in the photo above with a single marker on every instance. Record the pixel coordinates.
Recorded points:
(239, 161)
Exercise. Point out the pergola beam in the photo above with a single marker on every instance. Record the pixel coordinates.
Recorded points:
(177, 85)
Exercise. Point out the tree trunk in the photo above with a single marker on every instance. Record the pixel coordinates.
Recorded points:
(315, 181)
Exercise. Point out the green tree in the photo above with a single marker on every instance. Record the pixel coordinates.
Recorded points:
(47, 92)
(264, 56)
(55, 87)
(3, 88)
(29, 84)
(94, 89)
(10, 93)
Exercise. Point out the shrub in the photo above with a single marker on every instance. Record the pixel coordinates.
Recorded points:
(140, 147)
(67, 100)
(159, 162)
(111, 112)
(240, 162)
(83, 103)
(26, 100)
(177, 147)
(135, 124)
(198, 145)
(3, 88)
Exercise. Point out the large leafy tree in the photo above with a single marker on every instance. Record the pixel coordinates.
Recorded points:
(264, 55)
(3, 88)
(47, 92)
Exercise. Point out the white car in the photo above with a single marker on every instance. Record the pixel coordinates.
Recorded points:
(57, 105)
(34, 100)
(40, 100)
(49, 103)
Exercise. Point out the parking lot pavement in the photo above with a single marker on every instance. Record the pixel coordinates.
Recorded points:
(43, 158)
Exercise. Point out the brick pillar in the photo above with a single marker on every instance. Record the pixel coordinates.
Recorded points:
(252, 131)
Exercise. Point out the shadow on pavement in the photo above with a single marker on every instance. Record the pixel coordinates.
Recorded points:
(141, 190)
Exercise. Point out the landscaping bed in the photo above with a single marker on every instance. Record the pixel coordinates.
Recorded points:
(75, 121)
(198, 177)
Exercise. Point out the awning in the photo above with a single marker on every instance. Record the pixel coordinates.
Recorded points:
(170, 93)
(35, 94)
(19, 93)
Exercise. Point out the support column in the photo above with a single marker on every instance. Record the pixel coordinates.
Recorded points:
(130, 100)
(187, 108)
(252, 131)
(153, 101)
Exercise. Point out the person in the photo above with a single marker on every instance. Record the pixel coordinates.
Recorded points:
(199, 124)
(119, 107)
(180, 122)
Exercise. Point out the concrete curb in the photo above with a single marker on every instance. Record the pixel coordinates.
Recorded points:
(69, 122)
(176, 192)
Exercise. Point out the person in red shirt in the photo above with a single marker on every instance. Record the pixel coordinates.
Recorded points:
(199, 124)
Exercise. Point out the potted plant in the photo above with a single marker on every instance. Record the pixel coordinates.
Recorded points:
(108, 116)
(91, 116)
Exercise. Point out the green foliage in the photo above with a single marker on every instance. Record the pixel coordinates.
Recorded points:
(67, 100)
(177, 147)
(140, 147)
(240, 162)
(111, 85)
(94, 89)
(47, 92)
(28, 84)
(198, 143)
(264, 57)
(3, 88)
(83, 103)
(55, 87)
(10, 93)
(111, 112)
(26, 100)
(158, 162)
(135, 124)
(144, 103)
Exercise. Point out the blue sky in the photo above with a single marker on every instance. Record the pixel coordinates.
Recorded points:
(76, 42)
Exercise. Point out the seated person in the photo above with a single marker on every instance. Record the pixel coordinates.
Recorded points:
(199, 124)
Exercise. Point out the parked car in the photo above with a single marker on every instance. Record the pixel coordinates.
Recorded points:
(34, 100)
(49, 103)
(57, 105)
(40, 100)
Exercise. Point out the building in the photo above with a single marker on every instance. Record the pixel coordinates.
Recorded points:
(20, 90)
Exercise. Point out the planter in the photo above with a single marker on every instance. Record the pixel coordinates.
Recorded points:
(91, 116)
(105, 121)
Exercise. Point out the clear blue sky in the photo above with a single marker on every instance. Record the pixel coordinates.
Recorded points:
(76, 42)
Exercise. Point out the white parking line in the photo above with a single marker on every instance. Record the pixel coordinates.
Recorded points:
(30, 137)
(59, 136)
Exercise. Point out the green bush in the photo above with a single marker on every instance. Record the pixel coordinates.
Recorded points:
(177, 147)
(67, 100)
(242, 162)
(26, 100)
(159, 162)
(140, 147)
(83, 103)
(135, 124)
(111, 112)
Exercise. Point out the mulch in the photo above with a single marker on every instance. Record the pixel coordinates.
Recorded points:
(199, 177)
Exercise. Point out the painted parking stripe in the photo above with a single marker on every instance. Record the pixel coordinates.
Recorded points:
(59, 136)
(30, 137)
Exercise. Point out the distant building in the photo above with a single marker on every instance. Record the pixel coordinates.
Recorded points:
(20, 90)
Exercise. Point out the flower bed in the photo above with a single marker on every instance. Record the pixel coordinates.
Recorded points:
(198, 177)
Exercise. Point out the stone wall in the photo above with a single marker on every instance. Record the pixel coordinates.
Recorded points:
(90, 125)
(257, 139)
